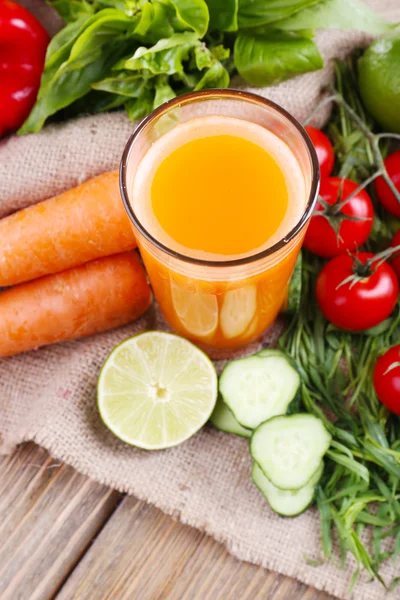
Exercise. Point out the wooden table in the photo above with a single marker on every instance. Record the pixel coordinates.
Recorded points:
(64, 536)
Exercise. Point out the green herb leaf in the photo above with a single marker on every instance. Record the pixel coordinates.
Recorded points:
(165, 57)
(72, 10)
(164, 91)
(124, 84)
(270, 60)
(337, 14)
(216, 77)
(140, 107)
(193, 15)
(73, 78)
(254, 13)
(223, 14)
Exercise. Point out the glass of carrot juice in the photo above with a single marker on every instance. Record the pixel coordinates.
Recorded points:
(219, 186)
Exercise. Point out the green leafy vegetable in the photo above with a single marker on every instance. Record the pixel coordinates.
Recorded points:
(166, 56)
(174, 46)
(270, 60)
(223, 14)
(254, 13)
(193, 14)
(338, 14)
(87, 63)
(71, 10)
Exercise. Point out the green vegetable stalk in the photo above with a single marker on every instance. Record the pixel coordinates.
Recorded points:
(137, 54)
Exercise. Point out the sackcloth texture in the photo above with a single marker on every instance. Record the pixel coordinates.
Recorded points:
(49, 395)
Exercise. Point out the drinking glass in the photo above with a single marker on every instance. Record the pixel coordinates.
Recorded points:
(220, 305)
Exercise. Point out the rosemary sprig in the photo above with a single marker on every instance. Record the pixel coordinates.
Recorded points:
(361, 483)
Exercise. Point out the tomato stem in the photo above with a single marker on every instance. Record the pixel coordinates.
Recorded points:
(320, 105)
(361, 187)
(373, 139)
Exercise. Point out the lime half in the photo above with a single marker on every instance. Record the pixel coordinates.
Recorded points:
(156, 390)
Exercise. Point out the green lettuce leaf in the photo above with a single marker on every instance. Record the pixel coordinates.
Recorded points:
(215, 77)
(269, 60)
(338, 14)
(165, 57)
(254, 13)
(88, 62)
(140, 107)
(192, 14)
(72, 10)
(163, 91)
(223, 14)
(124, 84)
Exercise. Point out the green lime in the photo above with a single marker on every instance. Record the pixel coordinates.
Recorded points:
(156, 390)
(379, 81)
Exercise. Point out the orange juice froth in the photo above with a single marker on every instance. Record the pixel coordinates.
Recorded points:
(217, 187)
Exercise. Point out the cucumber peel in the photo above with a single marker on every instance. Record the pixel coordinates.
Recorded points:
(287, 503)
(289, 449)
(223, 419)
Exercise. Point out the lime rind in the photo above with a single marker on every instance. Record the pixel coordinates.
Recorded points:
(156, 390)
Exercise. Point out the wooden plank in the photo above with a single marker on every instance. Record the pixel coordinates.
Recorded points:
(143, 554)
(49, 515)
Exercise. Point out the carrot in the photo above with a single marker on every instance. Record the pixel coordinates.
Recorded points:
(100, 295)
(82, 224)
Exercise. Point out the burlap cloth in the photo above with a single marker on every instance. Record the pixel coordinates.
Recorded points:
(49, 396)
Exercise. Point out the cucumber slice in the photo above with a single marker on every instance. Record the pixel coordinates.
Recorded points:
(259, 387)
(289, 449)
(222, 418)
(287, 503)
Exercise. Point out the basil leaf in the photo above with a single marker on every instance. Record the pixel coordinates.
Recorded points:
(220, 53)
(166, 56)
(90, 60)
(155, 23)
(203, 57)
(253, 13)
(338, 14)
(223, 14)
(124, 84)
(60, 45)
(129, 7)
(164, 91)
(72, 10)
(216, 77)
(270, 60)
(94, 102)
(140, 107)
(192, 14)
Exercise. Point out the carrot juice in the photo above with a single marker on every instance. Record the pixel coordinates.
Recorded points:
(215, 198)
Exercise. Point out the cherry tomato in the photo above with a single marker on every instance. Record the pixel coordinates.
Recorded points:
(387, 379)
(321, 237)
(324, 149)
(358, 304)
(396, 260)
(384, 193)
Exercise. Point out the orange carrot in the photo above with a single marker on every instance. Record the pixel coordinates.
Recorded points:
(100, 295)
(82, 224)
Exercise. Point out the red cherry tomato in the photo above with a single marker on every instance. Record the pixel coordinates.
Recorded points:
(324, 149)
(384, 193)
(396, 260)
(358, 304)
(387, 379)
(321, 237)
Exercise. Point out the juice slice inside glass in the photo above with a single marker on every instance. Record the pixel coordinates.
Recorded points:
(219, 188)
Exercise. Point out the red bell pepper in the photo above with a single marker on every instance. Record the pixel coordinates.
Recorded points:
(23, 43)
